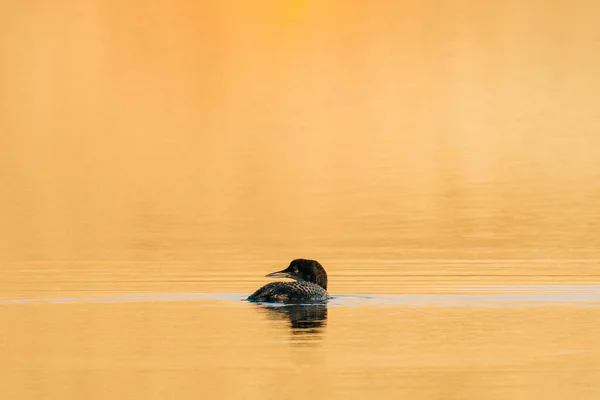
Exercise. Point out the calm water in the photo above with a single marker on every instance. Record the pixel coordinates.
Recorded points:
(441, 160)
(164, 330)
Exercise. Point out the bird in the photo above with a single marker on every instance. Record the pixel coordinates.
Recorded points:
(310, 284)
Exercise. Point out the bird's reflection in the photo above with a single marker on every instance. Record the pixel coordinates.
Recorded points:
(306, 320)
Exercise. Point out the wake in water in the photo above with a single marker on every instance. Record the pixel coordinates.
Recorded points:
(496, 296)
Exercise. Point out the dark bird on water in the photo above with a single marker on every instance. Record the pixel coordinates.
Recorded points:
(310, 285)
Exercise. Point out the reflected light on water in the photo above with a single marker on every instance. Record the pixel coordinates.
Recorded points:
(441, 159)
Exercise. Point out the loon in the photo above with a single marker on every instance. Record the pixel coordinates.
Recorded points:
(311, 285)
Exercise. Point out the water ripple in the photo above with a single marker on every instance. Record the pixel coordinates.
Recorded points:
(496, 296)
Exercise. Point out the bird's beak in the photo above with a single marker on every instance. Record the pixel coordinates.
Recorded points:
(281, 274)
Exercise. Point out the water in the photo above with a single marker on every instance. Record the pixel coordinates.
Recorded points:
(122, 338)
(441, 160)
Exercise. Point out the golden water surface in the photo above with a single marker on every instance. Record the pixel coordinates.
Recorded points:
(440, 158)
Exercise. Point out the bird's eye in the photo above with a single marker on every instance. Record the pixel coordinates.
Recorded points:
(295, 269)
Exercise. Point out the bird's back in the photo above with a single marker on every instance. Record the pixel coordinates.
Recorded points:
(290, 292)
